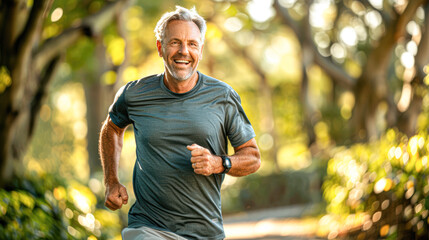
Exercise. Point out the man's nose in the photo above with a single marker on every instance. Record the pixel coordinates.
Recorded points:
(183, 49)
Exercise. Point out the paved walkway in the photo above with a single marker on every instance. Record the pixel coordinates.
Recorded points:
(272, 224)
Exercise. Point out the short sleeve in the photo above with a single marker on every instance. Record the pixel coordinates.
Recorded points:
(118, 111)
(238, 127)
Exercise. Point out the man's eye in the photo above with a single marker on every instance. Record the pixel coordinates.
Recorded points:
(174, 43)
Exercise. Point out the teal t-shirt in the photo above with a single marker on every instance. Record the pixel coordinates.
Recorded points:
(169, 195)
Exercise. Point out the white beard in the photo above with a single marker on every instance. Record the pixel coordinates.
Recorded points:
(176, 76)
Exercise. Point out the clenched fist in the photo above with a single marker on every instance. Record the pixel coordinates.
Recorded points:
(203, 162)
(116, 196)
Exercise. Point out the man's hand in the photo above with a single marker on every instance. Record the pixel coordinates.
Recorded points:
(116, 196)
(203, 162)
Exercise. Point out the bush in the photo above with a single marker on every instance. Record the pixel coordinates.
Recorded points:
(379, 189)
(46, 207)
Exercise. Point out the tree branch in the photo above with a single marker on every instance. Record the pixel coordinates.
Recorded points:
(98, 21)
(24, 42)
(380, 55)
(53, 46)
(407, 16)
(245, 56)
(41, 93)
(120, 20)
(89, 26)
(387, 17)
(11, 22)
(422, 56)
(23, 49)
(286, 18)
(334, 71)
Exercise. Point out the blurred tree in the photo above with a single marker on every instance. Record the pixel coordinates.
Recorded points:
(374, 49)
(266, 96)
(29, 57)
(101, 82)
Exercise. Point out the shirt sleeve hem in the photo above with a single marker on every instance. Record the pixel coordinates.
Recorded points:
(117, 121)
(244, 140)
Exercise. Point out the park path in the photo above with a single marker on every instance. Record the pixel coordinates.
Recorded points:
(272, 224)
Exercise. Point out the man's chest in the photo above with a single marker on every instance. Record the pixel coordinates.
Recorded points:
(171, 122)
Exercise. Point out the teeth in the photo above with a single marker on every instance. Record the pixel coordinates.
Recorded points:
(182, 61)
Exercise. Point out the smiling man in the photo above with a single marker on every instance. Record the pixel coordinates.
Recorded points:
(182, 122)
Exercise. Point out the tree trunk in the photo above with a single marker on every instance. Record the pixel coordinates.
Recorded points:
(26, 69)
(99, 95)
(372, 88)
(268, 124)
(307, 109)
(408, 120)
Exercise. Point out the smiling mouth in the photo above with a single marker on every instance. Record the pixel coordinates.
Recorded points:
(185, 62)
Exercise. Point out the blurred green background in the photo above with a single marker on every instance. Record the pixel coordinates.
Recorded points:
(337, 92)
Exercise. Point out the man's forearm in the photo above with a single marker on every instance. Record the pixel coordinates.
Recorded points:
(110, 147)
(246, 159)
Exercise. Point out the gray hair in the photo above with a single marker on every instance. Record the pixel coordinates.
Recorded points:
(180, 14)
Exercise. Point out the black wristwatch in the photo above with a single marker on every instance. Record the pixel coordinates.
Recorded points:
(226, 163)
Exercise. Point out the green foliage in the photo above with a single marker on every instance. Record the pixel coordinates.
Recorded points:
(279, 189)
(46, 207)
(5, 79)
(380, 188)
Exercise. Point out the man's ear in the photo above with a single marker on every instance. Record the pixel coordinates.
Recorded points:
(159, 47)
(201, 53)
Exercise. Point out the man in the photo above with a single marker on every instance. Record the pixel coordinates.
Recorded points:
(182, 120)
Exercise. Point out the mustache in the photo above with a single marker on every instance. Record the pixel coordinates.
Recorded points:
(182, 56)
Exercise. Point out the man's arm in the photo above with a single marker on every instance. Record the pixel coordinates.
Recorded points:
(110, 147)
(246, 160)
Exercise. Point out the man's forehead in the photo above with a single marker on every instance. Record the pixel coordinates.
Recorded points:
(181, 27)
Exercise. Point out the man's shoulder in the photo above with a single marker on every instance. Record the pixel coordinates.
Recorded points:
(151, 79)
(140, 87)
(216, 83)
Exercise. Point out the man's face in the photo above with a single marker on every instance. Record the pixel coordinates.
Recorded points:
(181, 50)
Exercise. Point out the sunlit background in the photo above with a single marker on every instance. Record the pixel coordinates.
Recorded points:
(326, 84)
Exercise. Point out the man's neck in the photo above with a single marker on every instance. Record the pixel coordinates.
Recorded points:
(180, 86)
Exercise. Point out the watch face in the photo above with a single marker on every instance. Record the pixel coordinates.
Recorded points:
(227, 163)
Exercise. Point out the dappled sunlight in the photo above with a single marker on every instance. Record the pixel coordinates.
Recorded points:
(69, 100)
(151, 65)
(82, 198)
(109, 77)
(272, 227)
(56, 14)
(115, 49)
(233, 24)
(294, 156)
(320, 86)
(346, 102)
(130, 74)
(349, 36)
(373, 190)
(213, 33)
(62, 135)
(261, 10)
(322, 13)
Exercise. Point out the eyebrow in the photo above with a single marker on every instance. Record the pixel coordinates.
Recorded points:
(191, 40)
